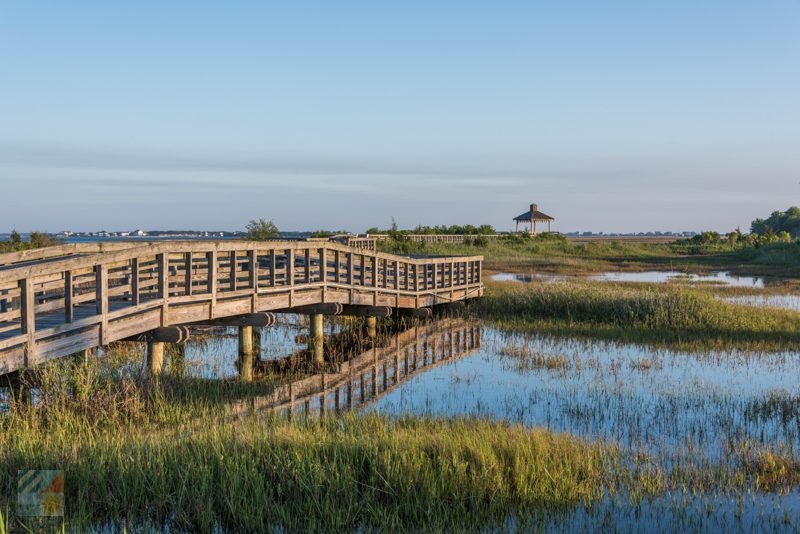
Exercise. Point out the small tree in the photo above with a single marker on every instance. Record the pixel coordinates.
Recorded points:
(15, 238)
(261, 230)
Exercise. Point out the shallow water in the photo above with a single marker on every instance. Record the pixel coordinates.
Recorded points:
(788, 302)
(653, 277)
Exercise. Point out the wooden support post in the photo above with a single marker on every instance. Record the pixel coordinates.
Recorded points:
(155, 358)
(323, 264)
(308, 265)
(316, 339)
(101, 300)
(187, 282)
(28, 320)
(245, 363)
(336, 267)
(69, 310)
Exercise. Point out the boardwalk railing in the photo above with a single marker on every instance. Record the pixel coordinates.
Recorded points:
(50, 308)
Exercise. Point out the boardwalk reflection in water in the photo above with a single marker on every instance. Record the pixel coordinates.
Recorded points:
(370, 375)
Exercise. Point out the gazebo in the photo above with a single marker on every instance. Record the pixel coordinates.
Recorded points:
(533, 216)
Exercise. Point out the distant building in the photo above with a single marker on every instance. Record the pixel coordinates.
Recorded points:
(533, 216)
(138, 233)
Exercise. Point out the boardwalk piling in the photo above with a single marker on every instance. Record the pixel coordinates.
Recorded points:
(155, 357)
(246, 353)
(316, 338)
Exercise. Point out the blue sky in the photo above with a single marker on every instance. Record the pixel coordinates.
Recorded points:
(611, 116)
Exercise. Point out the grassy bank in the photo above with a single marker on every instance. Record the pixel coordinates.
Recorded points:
(780, 259)
(665, 314)
(325, 475)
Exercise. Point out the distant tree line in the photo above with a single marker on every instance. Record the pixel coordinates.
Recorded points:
(467, 229)
(35, 240)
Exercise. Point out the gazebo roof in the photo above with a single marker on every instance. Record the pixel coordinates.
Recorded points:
(533, 215)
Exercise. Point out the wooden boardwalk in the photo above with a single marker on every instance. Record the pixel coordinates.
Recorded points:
(57, 301)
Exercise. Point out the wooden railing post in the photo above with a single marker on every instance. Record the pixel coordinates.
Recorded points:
(308, 265)
(163, 286)
(135, 282)
(233, 270)
(252, 267)
(290, 267)
(188, 274)
(28, 319)
(211, 258)
(68, 290)
(272, 268)
(101, 300)
(337, 267)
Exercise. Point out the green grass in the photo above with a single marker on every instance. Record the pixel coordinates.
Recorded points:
(665, 314)
(776, 259)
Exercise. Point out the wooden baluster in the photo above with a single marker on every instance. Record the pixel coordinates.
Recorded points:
(323, 265)
(290, 267)
(69, 310)
(101, 300)
(135, 282)
(28, 320)
(211, 258)
(233, 270)
(336, 267)
(188, 274)
(252, 270)
(396, 275)
(163, 286)
(308, 265)
(350, 268)
(272, 268)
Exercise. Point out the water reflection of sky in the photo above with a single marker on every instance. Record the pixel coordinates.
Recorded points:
(605, 392)
(653, 277)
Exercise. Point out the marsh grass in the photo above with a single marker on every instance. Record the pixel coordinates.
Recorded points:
(629, 313)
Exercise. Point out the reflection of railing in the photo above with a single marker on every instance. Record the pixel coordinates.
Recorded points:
(79, 302)
(374, 373)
